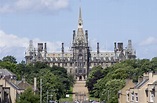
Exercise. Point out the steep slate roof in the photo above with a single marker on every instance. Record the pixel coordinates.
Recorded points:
(138, 85)
(5, 72)
(23, 85)
(9, 76)
(13, 85)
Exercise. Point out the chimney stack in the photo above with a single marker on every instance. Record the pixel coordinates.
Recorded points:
(35, 84)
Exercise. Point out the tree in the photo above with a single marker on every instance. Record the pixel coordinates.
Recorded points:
(56, 80)
(11, 59)
(52, 84)
(28, 96)
(95, 74)
(113, 78)
(8, 65)
(109, 93)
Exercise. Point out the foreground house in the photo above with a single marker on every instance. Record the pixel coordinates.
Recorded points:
(145, 91)
(122, 92)
(10, 88)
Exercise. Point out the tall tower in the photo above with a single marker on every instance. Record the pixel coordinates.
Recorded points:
(130, 52)
(80, 50)
(29, 54)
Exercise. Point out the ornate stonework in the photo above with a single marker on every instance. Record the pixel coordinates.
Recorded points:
(81, 59)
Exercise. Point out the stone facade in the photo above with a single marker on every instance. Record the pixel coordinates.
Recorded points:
(10, 88)
(80, 59)
(122, 95)
(145, 91)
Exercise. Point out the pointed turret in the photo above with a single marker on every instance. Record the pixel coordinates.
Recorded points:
(80, 36)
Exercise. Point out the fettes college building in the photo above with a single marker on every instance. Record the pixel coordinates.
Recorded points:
(80, 59)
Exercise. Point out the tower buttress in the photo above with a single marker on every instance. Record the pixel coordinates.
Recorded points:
(80, 49)
(86, 34)
(98, 50)
(45, 50)
(29, 54)
(115, 50)
(74, 36)
(62, 50)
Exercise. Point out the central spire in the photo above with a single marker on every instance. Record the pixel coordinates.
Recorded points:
(80, 36)
(80, 21)
(80, 14)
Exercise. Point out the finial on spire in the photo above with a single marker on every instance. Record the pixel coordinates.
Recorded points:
(80, 14)
(80, 21)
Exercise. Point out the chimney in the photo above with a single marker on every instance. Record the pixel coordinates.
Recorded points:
(23, 79)
(62, 48)
(45, 47)
(35, 84)
(150, 75)
(145, 76)
(98, 48)
(115, 46)
(120, 46)
(45, 51)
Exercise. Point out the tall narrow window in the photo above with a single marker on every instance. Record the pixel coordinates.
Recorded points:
(132, 96)
(151, 96)
(65, 64)
(70, 64)
(136, 97)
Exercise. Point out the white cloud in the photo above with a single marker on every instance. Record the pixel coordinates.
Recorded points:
(8, 6)
(148, 41)
(11, 44)
(147, 48)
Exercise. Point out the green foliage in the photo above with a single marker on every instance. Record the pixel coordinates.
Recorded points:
(55, 79)
(111, 90)
(102, 83)
(105, 83)
(28, 96)
(10, 59)
(95, 74)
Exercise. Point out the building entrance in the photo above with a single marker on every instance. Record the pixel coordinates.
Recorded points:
(80, 78)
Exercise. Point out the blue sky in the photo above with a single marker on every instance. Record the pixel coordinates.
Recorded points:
(53, 21)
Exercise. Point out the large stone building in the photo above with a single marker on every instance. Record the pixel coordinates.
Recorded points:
(80, 59)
